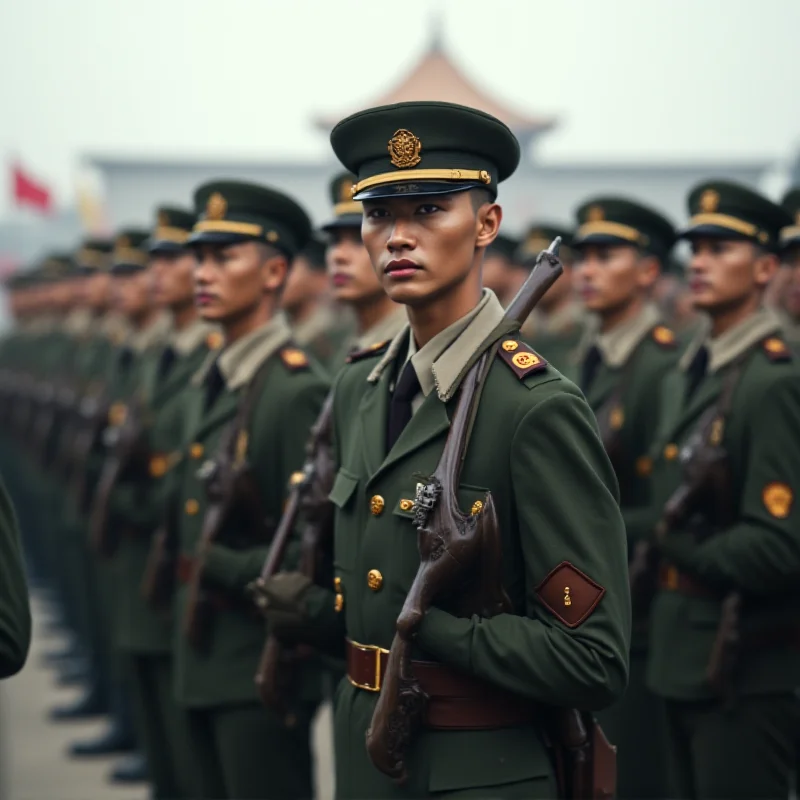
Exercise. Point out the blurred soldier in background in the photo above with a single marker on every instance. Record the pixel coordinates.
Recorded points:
(787, 300)
(501, 272)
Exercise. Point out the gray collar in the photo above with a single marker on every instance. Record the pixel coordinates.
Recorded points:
(440, 363)
(191, 337)
(617, 344)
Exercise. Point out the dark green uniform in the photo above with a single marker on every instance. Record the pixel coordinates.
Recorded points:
(732, 732)
(790, 245)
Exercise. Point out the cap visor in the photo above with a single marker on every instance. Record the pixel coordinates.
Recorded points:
(166, 247)
(126, 268)
(416, 189)
(345, 221)
(600, 238)
(712, 232)
(219, 237)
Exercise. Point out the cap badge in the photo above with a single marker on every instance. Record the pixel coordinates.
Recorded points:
(163, 219)
(595, 214)
(404, 149)
(346, 190)
(216, 206)
(709, 201)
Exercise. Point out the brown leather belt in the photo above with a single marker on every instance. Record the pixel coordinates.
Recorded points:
(455, 701)
(673, 580)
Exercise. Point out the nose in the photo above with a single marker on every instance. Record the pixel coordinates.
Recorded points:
(203, 270)
(401, 236)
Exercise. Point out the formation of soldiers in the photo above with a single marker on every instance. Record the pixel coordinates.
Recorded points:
(257, 467)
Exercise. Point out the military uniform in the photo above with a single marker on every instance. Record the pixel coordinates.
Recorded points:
(240, 748)
(729, 565)
(620, 373)
(790, 243)
(534, 440)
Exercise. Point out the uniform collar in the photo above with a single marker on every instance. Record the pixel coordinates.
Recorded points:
(156, 332)
(113, 326)
(617, 344)
(440, 363)
(731, 344)
(240, 361)
(191, 337)
(323, 319)
(383, 329)
(78, 322)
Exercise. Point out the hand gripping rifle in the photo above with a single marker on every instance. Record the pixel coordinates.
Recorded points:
(308, 501)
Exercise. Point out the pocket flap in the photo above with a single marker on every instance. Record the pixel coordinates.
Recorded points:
(343, 488)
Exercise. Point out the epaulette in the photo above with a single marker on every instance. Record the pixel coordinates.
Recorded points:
(522, 359)
(775, 349)
(214, 340)
(663, 336)
(294, 358)
(373, 350)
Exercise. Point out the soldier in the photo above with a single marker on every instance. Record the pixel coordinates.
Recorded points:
(558, 324)
(564, 639)
(788, 301)
(622, 246)
(725, 618)
(502, 273)
(247, 422)
(15, 619)
(318, 325)
(354, 282)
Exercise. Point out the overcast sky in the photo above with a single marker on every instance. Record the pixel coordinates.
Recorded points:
(628, 79)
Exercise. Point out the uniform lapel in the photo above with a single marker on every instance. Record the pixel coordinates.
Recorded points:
(223, 410)
(604, 383)
(705, 394)
(176, 380)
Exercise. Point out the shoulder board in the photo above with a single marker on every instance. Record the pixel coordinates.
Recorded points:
(294, 359)
(775, 349)
(215, 340)
(373, 350)
(522, 359)
(664, 337)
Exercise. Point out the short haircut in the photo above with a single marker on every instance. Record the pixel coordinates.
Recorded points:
(479, 197)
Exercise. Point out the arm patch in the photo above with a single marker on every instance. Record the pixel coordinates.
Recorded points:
(569, 594)
(522, 359)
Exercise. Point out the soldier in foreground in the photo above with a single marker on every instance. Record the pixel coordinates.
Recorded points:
(562, 636)
(622, 246)
(246, 424)
(726, 614)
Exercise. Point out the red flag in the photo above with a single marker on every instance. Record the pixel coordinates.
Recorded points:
(27, 191)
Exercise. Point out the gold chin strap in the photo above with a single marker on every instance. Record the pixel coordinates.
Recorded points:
(731, 223)
(169, 234)
(401, 176)
(613, 229)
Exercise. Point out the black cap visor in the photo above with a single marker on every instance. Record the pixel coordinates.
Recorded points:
(417, 189)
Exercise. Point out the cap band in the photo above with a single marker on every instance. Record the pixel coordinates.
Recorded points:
(613, 229)
(351, 207)
(87, 257)
(790, 232)
(170, 234)
(130, 255)
(732, 223)
(471, 175)
(227, 226)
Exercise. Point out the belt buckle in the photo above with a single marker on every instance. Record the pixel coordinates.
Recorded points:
(376, 655)
(671, 578)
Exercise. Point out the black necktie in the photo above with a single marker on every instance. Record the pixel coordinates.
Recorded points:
(215, 383)
(697, 371)
(125, 360)
(168, 356)
(400, 411)
(589, 368)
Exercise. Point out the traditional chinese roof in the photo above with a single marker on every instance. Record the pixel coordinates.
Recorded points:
(436, 77)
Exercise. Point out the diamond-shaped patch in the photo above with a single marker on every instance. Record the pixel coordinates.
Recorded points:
(569, 595)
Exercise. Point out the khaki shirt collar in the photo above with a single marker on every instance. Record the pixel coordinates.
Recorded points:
(113, 326)
(617, 344)
(155, 333)
(442, 360)
(731, 344)
(78, 322)
(191, 337)
(383, 329)
(240, 361)
(322, 320)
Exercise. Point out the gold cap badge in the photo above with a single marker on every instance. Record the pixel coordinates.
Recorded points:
(778, 498)
(404, 149)
(216, 207)
(595, 214)
(709, 201)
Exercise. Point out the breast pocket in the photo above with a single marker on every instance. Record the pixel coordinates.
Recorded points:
(343, 496)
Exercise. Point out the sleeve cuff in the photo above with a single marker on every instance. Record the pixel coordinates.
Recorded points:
(441, 634)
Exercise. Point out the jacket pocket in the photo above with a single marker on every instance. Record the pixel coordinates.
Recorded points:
(346, 522)
(344, 487)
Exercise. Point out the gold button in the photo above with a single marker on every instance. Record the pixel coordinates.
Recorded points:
(192, 507)
(376, 504)
(374, 580)
(617, 418)
(406, 505)
(337, 584)
(339, 603)
(509, 345)
(296, 477)
(196, 450)
(671, 452)
(158, 466)
(477, 507)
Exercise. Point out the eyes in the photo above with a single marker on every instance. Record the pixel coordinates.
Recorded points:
(422, 210)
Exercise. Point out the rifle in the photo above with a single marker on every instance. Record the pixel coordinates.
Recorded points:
(158, 580)
(129, 459)
(232, 490)
(473, 569)
(307, 494)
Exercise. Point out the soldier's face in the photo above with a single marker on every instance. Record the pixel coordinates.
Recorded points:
(303, 284)
(426, 248)
(231, 281)
(350, 271)
(610, 277)
(173, 279)
(133, 294)
(724, 274)
(97, 291)
(789, 298)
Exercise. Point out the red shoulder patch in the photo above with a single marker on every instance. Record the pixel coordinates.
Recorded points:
(569, 595)
(294, 359)
(775, 349)
(664, 336)
(372, 350)
(522, 359)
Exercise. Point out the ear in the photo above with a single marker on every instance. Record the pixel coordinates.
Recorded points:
(487, 222)
(765, 268)
(649, 271)
(274, 270)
